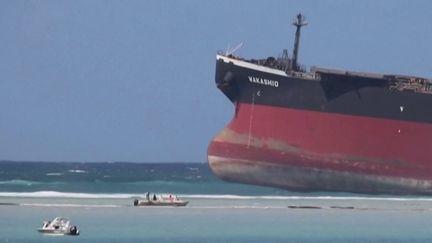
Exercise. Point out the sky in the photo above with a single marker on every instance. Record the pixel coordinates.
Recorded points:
(133, 80)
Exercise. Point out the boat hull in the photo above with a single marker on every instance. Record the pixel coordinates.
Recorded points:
(57, 232)
(309, 135)
(160, 203)
(308, 179)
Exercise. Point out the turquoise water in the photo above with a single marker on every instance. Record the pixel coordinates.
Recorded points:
(98, 199)
(219, 224)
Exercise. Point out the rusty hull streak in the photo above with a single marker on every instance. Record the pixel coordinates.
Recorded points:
(229, 136)
(303, 179)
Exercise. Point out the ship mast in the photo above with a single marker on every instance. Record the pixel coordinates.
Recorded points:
(298, 22)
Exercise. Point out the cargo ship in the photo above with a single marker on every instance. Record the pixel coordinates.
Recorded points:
(323, 129)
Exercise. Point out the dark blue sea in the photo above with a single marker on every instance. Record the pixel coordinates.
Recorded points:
(123, 178)
(98, 198)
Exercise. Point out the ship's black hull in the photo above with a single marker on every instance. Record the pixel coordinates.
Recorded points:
(366, 97)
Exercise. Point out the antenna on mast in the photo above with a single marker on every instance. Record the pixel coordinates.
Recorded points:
(231, 51)
(299, 22)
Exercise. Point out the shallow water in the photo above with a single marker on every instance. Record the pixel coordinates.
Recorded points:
(98, 198)
(224, 220)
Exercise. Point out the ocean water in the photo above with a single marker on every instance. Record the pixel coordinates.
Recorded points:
(114, 178)
(98, 198)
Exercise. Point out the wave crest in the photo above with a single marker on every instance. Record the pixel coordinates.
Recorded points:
(56, 194)
(19, 182)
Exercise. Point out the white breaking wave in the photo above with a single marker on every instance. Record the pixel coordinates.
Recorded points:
(55, 194)
(19, 182)
(54, 174)
(71, 205)
(77, 171)
(239, 197)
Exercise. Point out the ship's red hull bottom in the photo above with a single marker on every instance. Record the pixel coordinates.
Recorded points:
(306, 179)
(315, 151)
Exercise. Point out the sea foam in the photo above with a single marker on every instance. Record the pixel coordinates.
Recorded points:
(56, 194)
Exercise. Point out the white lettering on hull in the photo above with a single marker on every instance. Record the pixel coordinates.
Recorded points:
(264, 81)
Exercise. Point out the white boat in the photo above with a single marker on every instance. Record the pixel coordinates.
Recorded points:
(59, 226)
(159, 200)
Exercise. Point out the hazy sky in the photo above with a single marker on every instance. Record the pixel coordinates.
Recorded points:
(133, 81)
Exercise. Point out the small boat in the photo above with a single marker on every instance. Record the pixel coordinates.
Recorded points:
(159, 200)
(59, 226)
